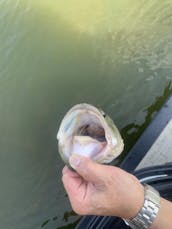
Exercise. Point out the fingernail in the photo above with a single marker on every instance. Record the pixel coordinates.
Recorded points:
(75, 160)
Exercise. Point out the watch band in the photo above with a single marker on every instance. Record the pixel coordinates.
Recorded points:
(149, 210)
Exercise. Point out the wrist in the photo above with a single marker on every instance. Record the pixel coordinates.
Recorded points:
(135, 202)
(148, 211)
(163, 219)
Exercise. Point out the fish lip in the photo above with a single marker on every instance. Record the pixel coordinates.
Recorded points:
(111, 132)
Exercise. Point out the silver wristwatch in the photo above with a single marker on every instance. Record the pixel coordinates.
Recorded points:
(149, 210)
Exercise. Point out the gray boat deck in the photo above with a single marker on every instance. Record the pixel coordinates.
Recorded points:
(161, 151)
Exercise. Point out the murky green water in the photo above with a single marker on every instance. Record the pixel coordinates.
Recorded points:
(54, 54)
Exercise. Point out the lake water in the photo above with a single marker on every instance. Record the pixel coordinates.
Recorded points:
(53, 54)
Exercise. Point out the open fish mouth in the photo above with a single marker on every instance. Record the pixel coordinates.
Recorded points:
(88, 131)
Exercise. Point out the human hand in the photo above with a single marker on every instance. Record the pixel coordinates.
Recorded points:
(96, 189)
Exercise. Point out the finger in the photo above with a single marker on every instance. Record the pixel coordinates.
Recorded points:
(88, 169)
(76, 189)
(65, 170)
(70, 172)
(72, 181)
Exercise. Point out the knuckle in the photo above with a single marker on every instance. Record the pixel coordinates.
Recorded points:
(63, 178)
(98, 208)
(111, 170)
(79, 209)
(110, 176)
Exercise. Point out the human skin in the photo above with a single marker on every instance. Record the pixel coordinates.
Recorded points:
(95, 189)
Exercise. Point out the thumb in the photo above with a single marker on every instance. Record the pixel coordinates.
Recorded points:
(88, 169)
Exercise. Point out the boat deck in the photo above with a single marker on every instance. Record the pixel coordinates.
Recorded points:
(161, 150)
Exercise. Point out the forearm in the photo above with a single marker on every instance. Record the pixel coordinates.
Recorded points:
(164, 217)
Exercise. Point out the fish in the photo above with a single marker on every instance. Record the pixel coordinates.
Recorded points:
(88, 131)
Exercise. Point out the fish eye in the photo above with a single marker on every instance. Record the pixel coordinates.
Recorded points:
(104, 115)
